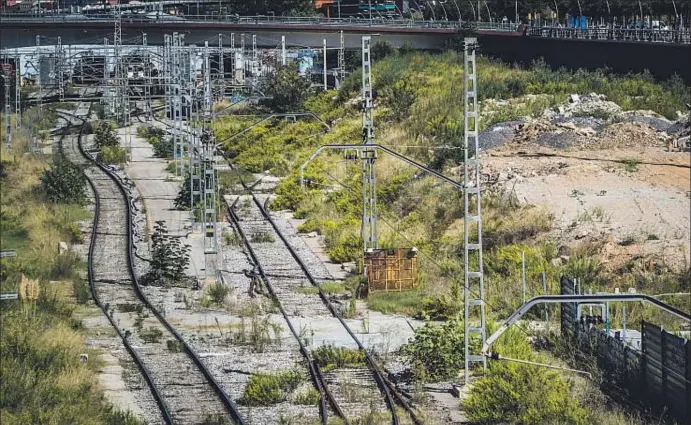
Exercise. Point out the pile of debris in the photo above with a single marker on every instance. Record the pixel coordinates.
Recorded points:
(591, 105)
(628, 135)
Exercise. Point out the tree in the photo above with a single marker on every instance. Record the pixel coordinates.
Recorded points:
(169, 256)
(382, 49)
(279, 7)
(64, 182)
(288, 90)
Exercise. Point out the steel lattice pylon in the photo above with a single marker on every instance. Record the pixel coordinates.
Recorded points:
(59, 58)
(17, 91)
(6, 77)
(474, 288)
(341, 62)
(369, 183)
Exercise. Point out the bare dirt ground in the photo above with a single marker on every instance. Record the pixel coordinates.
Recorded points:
(636, 200)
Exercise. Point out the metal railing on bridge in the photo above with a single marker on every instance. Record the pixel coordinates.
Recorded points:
(154, 17)
(681, 36)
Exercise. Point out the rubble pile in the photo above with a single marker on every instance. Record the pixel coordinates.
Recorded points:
(591, 105)
(629, 135)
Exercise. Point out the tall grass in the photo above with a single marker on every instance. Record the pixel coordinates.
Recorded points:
(422, 118)
(43, 380)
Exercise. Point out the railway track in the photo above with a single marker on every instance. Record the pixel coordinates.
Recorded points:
(186, 392)
(285, 273)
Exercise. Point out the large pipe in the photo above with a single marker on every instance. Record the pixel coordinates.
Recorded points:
(559, 299)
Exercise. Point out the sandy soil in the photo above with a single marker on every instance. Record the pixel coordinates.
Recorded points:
(639, 194)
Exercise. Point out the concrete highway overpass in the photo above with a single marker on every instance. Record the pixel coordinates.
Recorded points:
(75, 29)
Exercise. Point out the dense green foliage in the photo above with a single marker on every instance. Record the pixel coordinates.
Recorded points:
(278, 7)
(184, 198)
(591, 8)
(288, 90)
(522, 394)
(64, 182)
(437, 349)
(163, 145)
(169, 256)
(332, 357)
(105, 135)
(107, 142)
(266, 389)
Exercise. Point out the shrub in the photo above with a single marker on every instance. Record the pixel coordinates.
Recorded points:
(112, 155)
(218, 292)
(183, 200)
(521, 394)
(169, 256)
(437, 349)
(265, 389)
(81, 290)
(64, 182)
(175, 346)
(163, 148)
(311, 397)
(400, 98)
(288, 90)
(151, 334)
(330, 357)
(261, 237)
(382, 49)
(105, 135)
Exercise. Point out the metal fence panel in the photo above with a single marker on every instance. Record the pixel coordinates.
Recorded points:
(659, 375)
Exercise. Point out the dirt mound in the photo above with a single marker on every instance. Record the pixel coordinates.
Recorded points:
(628, 135)
(614, 136)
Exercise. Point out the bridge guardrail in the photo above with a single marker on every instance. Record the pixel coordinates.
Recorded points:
(232, 19)
(614, 34)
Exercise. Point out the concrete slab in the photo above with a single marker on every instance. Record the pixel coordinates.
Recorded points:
(158, 192)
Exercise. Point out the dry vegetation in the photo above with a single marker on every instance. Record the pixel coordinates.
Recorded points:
(43, 380)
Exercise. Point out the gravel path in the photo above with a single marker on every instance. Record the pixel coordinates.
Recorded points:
(183, 387)
(354, 389)
(225, 337)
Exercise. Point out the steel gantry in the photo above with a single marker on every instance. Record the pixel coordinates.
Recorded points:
(7, 74)
(17, 91)
(369, 183)
(473, 268)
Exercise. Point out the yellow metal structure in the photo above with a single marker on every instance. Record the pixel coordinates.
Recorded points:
(391, 269)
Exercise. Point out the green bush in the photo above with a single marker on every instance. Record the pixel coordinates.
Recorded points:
(175, 346)
(151, 334)
(218, 292)
(330, 357)
(105, 135)
(437, 349)
(164, 147)
(64, 182)
(382, 49)
(521, 394)
(311, 397)
(81, 290)
(169, 256)
(112, 155)
(266, 389)
(288, 90)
